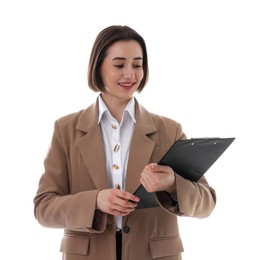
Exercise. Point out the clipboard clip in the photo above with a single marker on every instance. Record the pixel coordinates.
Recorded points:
(198, 138)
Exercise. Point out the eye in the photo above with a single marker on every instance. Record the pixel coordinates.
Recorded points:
(137, 66)
(119, 66)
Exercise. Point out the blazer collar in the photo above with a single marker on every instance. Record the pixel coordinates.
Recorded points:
(89, 118)
(92, 149)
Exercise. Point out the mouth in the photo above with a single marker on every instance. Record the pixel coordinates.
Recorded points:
(126, 85)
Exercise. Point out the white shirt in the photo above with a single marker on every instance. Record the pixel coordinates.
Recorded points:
(117, 140)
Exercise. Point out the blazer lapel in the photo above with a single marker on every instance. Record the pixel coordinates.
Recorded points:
(91, 147)
(141, 147)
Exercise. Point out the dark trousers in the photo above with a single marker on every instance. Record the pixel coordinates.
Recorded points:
(119, 245)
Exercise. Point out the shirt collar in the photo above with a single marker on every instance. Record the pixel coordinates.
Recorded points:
(130, 108)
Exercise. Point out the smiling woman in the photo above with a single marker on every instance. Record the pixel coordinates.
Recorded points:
(106, 39)
(114, 143)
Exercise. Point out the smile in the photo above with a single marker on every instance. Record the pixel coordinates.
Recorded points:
(126, 85)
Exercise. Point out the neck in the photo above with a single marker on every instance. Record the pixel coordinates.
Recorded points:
(115, 106)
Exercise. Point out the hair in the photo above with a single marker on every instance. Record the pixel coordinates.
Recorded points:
(103, 41)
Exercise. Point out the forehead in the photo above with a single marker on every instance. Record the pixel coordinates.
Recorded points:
(127, 49)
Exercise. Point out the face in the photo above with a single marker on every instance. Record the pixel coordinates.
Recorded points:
(122, 70)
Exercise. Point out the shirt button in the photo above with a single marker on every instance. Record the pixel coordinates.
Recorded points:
(126, 229)
(116, 148)
(115, 166)
(114, 126)
(117, 186)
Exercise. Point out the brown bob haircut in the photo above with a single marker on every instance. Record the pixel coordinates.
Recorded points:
(103, 41)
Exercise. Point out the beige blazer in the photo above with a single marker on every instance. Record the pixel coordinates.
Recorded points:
(75, 171)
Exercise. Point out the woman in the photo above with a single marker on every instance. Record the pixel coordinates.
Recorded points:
(99, 156)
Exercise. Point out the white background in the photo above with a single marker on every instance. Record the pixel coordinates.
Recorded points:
(203, 59)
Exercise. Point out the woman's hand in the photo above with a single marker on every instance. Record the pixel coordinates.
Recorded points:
(158, 178)
(116, 202)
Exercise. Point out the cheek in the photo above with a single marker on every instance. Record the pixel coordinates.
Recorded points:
(109, 77)
(105, 74)
(140, 75)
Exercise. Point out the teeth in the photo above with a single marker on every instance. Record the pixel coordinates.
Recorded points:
(126, 85)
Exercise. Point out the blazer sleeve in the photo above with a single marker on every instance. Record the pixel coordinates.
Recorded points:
(54, 206)
(194, 199)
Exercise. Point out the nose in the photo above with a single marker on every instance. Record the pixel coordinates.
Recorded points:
(129, 73)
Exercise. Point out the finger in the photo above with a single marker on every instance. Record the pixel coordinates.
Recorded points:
(122, 209)
(119, 213)
(111, 202)
(124, 205)
(146, 184)
(150, 167)
(148, 176)
(127, 196)
(160, 168)
(154, 168)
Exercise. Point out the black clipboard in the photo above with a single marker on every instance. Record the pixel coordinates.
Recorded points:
(190, 158)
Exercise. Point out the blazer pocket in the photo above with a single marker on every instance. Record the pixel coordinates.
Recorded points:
(166, 246)
(72, 244)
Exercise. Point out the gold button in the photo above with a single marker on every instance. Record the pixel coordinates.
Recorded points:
(113, 126)
(116, 148)
(115, 166)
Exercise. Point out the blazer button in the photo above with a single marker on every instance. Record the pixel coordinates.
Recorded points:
(126, 229)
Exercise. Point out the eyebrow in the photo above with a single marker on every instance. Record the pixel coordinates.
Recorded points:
(121, 58)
